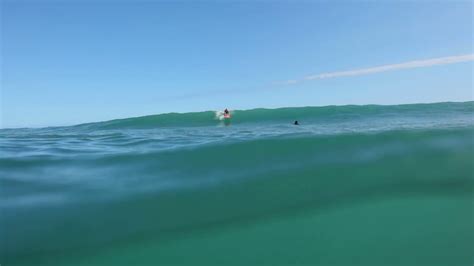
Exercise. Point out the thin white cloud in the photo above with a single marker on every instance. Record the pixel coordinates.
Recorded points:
(384, 68)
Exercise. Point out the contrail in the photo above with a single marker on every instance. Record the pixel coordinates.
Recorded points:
(384, 68)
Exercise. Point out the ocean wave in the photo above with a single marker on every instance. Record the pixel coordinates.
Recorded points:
(326, 114)
(132, 179)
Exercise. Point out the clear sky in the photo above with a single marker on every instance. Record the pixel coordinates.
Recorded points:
(68, 62)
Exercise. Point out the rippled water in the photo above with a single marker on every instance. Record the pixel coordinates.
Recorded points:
(171, 188)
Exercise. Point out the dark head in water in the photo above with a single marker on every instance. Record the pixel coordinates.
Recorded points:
(296, 122)
(226, 111)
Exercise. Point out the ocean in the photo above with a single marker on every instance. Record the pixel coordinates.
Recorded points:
(349, 185)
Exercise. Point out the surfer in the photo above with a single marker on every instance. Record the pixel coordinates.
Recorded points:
(226, 114)
(296, 123)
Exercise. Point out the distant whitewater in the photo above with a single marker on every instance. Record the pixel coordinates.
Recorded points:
(350, 183)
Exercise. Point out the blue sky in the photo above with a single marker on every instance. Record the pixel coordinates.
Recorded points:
(81, 61)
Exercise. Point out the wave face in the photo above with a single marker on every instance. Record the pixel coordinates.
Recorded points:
(367, 182)
(310, 115)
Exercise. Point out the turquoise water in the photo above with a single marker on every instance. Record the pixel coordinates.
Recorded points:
(351, 185)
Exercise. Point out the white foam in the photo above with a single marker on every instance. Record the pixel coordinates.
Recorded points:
(219, 115)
